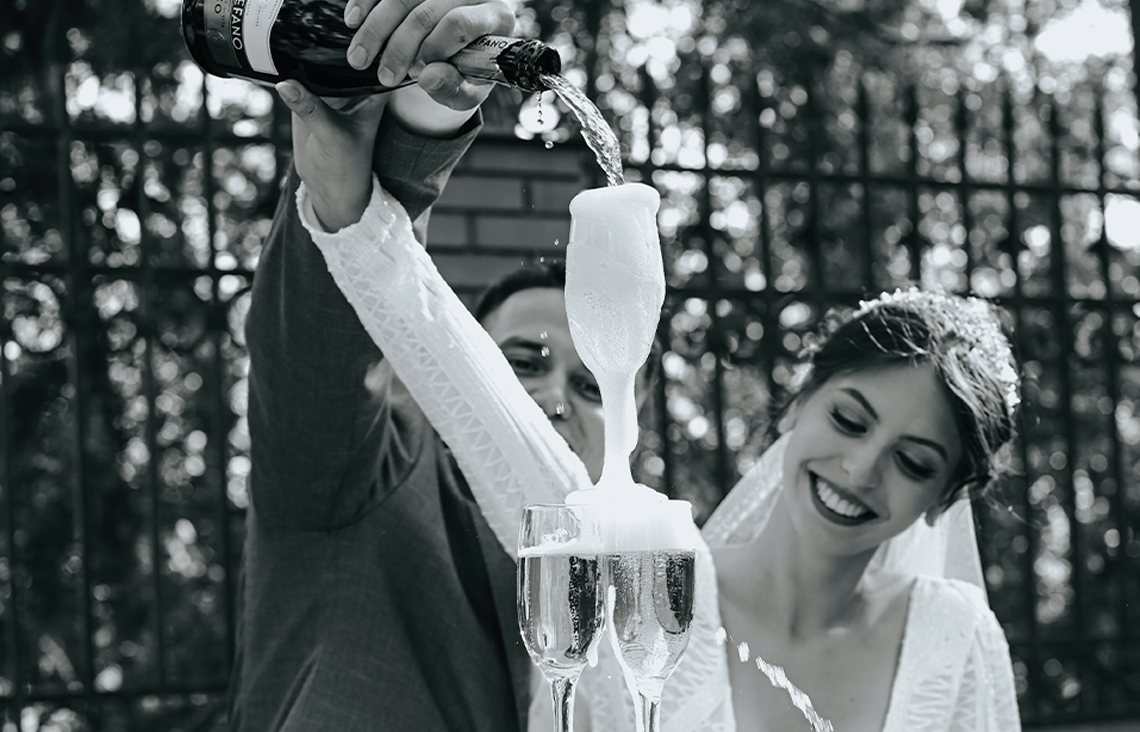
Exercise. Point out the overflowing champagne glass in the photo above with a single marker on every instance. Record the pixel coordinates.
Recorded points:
(560, 598)
(615, 286)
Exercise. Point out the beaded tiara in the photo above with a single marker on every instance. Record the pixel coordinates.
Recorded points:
(973, 320)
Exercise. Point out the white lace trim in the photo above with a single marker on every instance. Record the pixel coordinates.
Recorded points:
(503, 443)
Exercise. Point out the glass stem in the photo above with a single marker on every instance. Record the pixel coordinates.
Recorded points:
(563, 692)
(651, 713)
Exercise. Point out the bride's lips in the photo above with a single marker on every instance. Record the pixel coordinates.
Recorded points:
(846, 509)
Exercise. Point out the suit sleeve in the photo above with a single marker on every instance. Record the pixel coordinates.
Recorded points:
(326, 443)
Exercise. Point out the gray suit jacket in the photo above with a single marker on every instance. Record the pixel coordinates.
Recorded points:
(374, 595)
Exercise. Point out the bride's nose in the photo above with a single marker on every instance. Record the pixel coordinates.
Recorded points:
(861, 464)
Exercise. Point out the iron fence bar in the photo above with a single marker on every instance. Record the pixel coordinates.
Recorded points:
(719, 342)
(888, 180)
(1112, 356)
(148, 691)
(1095, 638)
(593, 31)
(771, 344)
(852, 297)
(96, 132)
(148, 332)
(9, 492)
(1134, 8)
(817, 282)
(1065, 328)
(1032, 650)
(217, 374)
(962, 129)
(649, 99)
(158, 274)
(863, 112)
(75, 308)
(224, 139)
(912, 242)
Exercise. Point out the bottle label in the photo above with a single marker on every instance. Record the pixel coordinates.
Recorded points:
(479, 60)
(218, 34)
(237, 33)
(256, 25)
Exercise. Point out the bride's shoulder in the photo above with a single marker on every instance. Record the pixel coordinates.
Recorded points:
(954, 602)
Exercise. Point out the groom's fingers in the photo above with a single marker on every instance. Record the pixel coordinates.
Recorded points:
(450, 88)
(436, 29)
(302, 102)
(377, 25)
(460, 26)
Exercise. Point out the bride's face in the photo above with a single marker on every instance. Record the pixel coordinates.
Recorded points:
(870, 453)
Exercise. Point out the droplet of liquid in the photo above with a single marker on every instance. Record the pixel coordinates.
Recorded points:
(549, 144)
(560, 409)
(545, 352)
(743, 651)
(543, 335)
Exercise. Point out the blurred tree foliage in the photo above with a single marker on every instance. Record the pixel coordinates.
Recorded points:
(806, 152)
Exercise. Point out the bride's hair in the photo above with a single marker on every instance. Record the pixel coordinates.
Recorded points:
(961, 337)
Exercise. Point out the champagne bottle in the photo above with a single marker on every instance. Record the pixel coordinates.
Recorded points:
(268, 41)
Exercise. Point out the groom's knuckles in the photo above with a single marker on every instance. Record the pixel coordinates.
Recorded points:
(404, 45)
(462, 25)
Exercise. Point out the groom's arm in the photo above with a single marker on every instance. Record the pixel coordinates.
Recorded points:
(325, 444)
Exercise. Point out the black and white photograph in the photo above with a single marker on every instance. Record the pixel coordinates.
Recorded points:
(555, 366)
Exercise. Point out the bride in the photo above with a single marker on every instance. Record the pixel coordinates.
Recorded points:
(846, 555)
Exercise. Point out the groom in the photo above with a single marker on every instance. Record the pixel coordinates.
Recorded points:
(374, 594)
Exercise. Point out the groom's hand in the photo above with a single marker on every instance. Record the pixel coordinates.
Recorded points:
(332, 150)
(418, 36)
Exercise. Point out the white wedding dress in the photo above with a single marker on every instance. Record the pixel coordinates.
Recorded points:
(954, 671)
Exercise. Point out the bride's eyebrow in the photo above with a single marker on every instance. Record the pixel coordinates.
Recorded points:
(858, 396)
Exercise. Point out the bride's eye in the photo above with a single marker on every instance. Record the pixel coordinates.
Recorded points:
(846, 424)
(914, 468)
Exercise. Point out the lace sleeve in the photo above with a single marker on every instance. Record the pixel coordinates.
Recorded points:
(502, 441)
(987, 701)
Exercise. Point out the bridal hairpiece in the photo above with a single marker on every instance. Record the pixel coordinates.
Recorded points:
(973, 320)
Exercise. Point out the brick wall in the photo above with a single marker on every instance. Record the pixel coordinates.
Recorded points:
(507, 202)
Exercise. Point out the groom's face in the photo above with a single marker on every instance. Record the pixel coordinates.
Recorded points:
(531, 328)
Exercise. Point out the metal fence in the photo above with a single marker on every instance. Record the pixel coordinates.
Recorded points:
(133, 197)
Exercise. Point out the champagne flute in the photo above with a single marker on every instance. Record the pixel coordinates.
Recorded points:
(560, 602)
(649, 609)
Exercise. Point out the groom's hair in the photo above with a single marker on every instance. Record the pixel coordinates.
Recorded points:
(540, 274)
